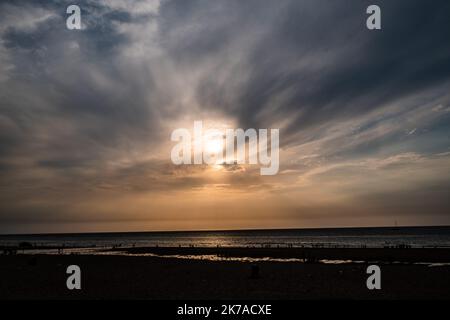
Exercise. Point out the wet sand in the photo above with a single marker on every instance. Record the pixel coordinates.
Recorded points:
(387, 255)
(142, 277)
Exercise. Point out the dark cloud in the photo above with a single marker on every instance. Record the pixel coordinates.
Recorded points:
(349, 70)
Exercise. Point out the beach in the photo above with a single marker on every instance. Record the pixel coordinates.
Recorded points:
(137, 274)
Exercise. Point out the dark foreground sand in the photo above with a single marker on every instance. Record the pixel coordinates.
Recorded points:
(138, 277)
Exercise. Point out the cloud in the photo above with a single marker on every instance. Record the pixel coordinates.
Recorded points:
(19, 19)
(88, 114)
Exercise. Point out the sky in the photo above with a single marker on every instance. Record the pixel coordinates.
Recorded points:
(86, 115)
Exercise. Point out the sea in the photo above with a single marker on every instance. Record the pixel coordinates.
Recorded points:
(415, 237)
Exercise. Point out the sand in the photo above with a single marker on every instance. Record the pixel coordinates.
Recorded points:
(141, 277)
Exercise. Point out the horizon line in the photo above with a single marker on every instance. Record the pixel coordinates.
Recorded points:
(221, 230)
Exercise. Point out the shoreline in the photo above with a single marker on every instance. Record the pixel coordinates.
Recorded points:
(303, 255)
(308, 255)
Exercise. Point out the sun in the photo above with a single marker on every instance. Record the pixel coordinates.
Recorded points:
(213, 146)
